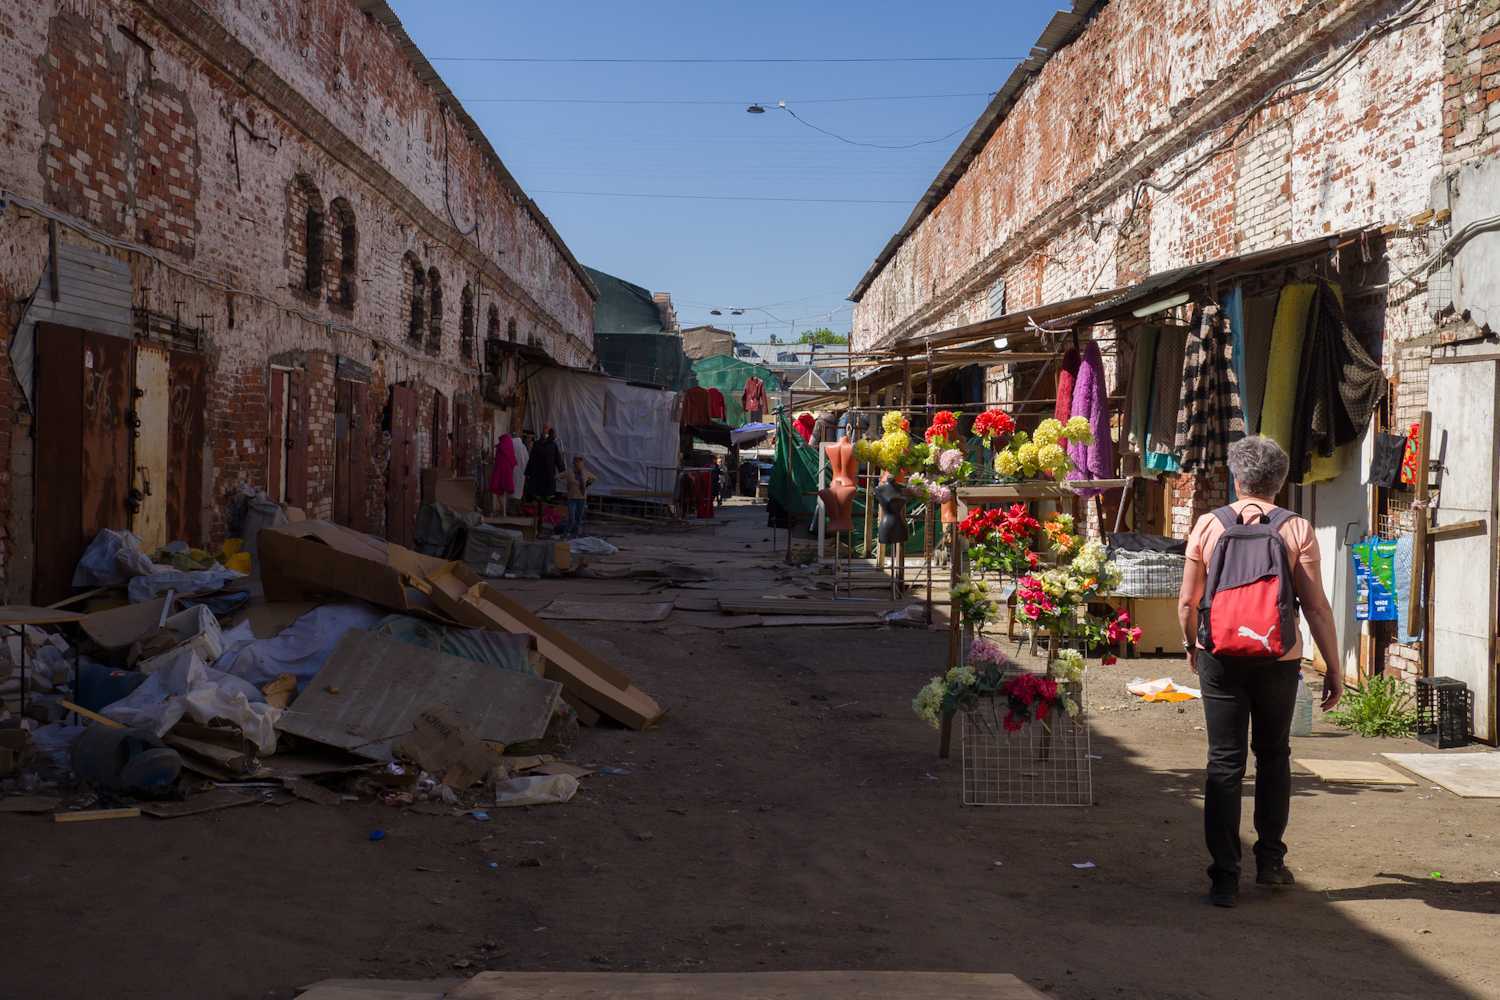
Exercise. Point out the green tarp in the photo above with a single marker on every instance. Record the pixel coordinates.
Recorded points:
(795, 472)
(728, 375)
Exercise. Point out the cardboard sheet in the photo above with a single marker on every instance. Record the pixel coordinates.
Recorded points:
(1359, 772)
(1467, 775)
(372, 690)
(318, 559)
(119, 627)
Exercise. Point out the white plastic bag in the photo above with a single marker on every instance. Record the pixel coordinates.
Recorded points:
(537, 790)
(113, 557)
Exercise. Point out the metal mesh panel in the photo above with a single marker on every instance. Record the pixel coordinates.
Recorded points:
(1045, 763)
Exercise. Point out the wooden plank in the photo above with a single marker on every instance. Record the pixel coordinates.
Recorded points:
(1013, 491)
(200, 802)
(1419, 537)
(79, 710)
(805, 606)
(228, 758)
(90, 815)
(1459, 529)
(606, 611)
(402, 473)
(26, 614)
(372, 689)
(379, 989)
(744, 986)
(463, 594)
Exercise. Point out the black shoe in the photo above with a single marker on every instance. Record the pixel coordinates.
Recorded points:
(1277, 876)
(1224, 892)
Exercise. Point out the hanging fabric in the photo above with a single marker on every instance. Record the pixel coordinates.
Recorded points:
(523, 456)
(1067, 375)
(1385, 462)
(502, 473)
(1234, 315)
(1339, 386)
(1091, 400)
(1409, 457)
(1140, 390)
(1279, 406)
(1209, 417)
(1166, 394)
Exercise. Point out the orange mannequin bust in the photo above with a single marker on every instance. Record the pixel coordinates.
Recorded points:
(838, 496)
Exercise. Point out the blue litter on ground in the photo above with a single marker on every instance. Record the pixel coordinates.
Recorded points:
(377, 834)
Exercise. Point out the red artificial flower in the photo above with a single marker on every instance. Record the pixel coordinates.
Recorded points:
(993, 423)
(1011, 723)
(944, 423)
(1109, 660)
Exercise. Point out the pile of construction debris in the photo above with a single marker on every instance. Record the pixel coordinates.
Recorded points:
(340, 667)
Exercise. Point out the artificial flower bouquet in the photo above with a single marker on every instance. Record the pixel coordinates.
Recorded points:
(1043, 453)
(992, 681)
(1000, 539)
(1057, 599)
(894, 451)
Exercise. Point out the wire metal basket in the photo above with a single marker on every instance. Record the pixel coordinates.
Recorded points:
(1044, 763)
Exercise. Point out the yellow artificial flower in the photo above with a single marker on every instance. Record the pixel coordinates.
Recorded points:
(1028, 454)
(1052, 458)
(1007, 464)
(1047, 432)
(1078, 431)
(891, 421)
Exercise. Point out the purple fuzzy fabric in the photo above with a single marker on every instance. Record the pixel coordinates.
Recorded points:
(1090, 399)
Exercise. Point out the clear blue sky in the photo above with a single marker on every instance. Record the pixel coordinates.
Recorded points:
(798, 259)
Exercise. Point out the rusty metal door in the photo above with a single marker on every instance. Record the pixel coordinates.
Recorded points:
(442, 445)
(185, 461)
(462, 463)
(297, 411)
(351, 454)
(82, 446)
(402, 480)
(153, 399)
(276, 437)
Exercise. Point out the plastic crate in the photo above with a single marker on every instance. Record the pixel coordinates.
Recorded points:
(1445, 712)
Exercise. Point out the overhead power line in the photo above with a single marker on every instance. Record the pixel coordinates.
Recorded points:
(878, 145)
(711, 101)
(726, 197)
(723, 60)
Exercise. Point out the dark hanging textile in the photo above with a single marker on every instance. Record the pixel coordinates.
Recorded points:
(1338, 386)
(1385, 462)
(1209, 416)
(1067, 375)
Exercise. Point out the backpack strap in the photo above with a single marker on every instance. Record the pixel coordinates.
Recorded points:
(1280, 516)
(1227, 516)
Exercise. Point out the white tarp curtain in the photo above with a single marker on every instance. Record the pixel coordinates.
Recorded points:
(627, 434)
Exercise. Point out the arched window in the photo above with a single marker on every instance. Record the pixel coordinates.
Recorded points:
(417, 291)
(492, 327)
(466, 322)
(345, 288)
(510, 330)
(305, 232)
(435, 313)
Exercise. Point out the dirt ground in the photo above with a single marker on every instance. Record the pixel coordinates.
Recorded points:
(789, 813)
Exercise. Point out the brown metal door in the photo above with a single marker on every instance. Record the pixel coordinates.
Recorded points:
(59, 460)
(351, 454)
(107, 432)
(297, 410)
(276, 436)
(442, 445)
(402, 480)
(185, 463)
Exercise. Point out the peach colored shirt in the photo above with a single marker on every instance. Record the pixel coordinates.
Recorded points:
(1301, 547)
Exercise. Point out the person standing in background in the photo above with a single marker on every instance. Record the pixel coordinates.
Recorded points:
(577, 480)
(1252, 692)
(543, 466)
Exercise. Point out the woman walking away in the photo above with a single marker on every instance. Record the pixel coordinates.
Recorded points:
(1250, 565)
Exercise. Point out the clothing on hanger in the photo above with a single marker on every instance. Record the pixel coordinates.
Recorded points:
(1091, 400)
(503, 469)
(1166, 395)
(1339, 386)
(523, 455)
(1278, 408)
(1209, 417)
(1067, 375)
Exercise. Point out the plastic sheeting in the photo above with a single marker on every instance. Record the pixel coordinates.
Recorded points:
(626, 434)
(185, 687)
(300, 649)
(112, 558)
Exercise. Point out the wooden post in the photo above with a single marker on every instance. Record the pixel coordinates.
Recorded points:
(1422, 517)
(955, 555)
(946, 737)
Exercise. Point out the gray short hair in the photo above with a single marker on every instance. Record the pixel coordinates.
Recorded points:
(1258, 465)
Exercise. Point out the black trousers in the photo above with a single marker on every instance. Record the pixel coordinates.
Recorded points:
(1247, 704)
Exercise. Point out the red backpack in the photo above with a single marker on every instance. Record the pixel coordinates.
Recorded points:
(1249, 607)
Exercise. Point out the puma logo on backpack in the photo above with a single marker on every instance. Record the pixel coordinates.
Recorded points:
(1249, 607)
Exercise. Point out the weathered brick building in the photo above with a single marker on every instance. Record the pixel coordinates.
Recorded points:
(1143, 136)
(250, 245)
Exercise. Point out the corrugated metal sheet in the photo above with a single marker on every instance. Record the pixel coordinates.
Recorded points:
(93, 293)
